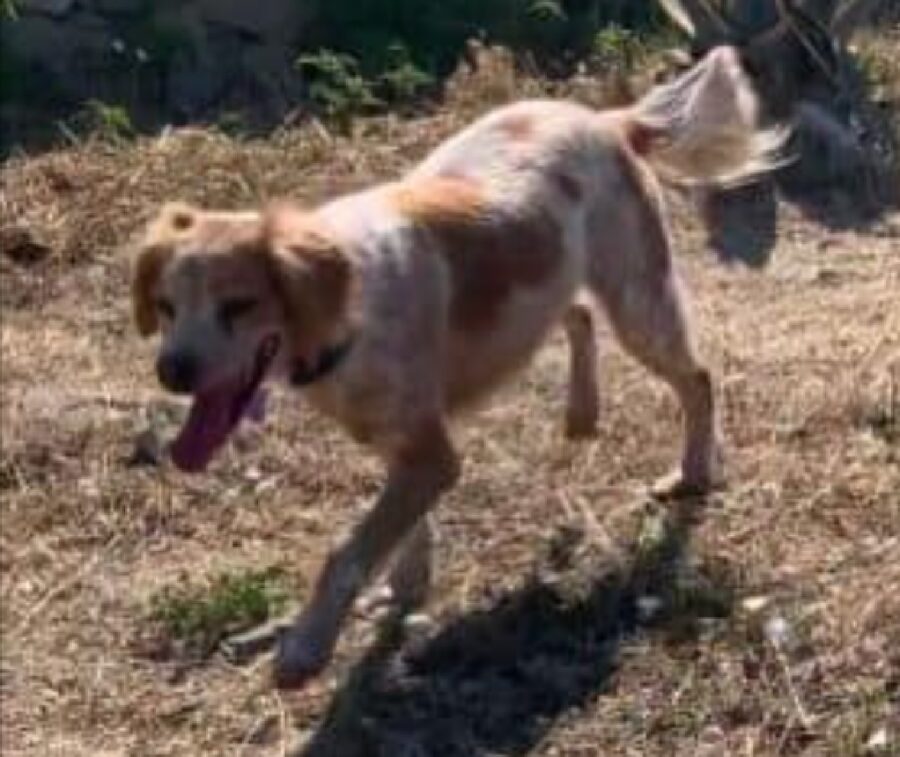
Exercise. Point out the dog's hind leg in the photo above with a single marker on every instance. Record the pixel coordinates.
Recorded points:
(648, 317)
(582, 401)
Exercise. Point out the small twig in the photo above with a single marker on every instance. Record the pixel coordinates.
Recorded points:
(283, 722)
(806, 720)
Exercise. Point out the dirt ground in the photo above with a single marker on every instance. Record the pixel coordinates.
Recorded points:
(572, 615)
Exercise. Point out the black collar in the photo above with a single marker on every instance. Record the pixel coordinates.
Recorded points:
(326, 361)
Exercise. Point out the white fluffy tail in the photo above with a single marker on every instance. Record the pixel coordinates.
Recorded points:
(703, 128)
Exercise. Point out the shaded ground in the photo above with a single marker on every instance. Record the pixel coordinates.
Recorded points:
(571, 617)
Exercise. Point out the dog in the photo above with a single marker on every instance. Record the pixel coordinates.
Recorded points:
(394, 308)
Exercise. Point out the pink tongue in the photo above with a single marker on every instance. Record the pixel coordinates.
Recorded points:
(210, 421)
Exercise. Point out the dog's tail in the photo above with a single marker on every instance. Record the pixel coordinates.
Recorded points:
(703, 127)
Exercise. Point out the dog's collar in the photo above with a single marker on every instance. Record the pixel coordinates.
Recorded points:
(328, 359)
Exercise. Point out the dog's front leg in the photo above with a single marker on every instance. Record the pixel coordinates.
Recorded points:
(424, 466)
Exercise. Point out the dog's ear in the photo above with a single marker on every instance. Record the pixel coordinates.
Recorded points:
(313, 275)
(152, 252)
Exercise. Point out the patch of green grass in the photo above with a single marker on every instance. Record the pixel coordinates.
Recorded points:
(201, 615)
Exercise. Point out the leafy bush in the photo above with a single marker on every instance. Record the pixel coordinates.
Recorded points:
(380, 52)
(340, 91)
(402, 80)
(336, 85)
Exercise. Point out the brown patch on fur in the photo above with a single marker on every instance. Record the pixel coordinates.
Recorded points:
(517, 127)
(154, 251)
(312, 274)
(145, 274)
(441, 201)
(488, 254)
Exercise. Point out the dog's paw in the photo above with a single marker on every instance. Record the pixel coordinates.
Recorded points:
(298, 660)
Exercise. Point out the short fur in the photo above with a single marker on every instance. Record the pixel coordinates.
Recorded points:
(447, 281)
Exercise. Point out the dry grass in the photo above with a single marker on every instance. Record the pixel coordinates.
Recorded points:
(571, 617)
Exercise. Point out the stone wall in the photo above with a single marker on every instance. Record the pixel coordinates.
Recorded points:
(169, 60)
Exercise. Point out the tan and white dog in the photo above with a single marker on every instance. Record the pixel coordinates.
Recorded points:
(395, 307)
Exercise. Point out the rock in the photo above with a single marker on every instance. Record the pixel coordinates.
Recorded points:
(197, 79)
(177, 61)
(271, 77)
(50, 7)
(119, 6)
(28, 39)
(274, 19)
(71, 52)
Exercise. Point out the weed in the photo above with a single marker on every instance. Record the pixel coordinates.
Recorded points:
(403, 81)
(336, 85)
(199, 616)
(619, 49)
(108, 122)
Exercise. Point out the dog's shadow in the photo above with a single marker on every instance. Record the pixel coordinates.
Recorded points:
(495, 680)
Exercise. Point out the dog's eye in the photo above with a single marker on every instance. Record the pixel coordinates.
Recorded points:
(165, 307)
(231, 310)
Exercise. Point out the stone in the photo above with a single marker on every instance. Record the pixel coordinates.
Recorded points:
(29, 38)
(198, 79)
(273, 19)
(57, 44)
(122, 7)
(69, 54)
(50, 7)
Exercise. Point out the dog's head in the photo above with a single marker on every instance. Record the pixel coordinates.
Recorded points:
(235, 296)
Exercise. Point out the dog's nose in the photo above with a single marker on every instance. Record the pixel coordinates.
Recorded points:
(177, 372)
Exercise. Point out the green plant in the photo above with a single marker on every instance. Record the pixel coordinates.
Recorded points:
(106, 121)
(336, 85)
(8, 10)
(402, 80)
(554, 32)
(201, 615)
(617, 47)
(546, 10)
